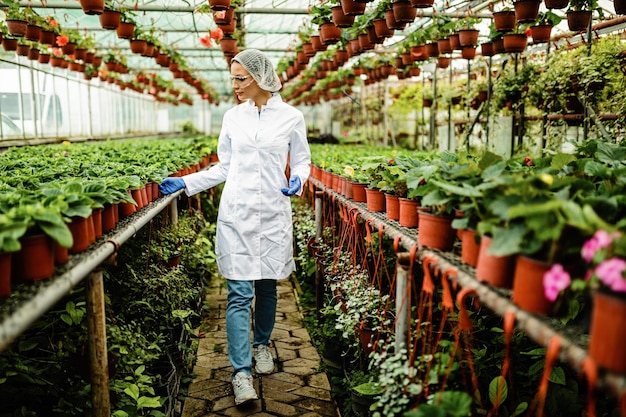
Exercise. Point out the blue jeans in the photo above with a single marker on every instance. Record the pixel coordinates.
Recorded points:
(238, 311)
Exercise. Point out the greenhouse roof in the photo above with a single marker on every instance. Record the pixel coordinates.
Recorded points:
(268, 25)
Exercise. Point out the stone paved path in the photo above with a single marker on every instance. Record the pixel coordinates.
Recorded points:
(296, 388)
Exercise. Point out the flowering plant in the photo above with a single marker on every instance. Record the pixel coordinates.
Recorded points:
(214, 35)
(605, 254)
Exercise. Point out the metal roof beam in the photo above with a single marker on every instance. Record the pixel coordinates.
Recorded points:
(154, 8)
(182, 30)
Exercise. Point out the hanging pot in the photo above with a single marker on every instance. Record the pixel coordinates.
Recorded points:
(47, 37)
(443, 62)
(110, 19)
(468, 37)
(455, 43)
(578, 20)
(403, 11)
(515, 42)
(504, 21)
(435, 231)
(16, 27)
(541, 33)
(92, 6)
(391, 21)
(556, 4)
(33, 33)
(443, 45)
(125, 30)
(329, 33)
(381, 28)
(432, 49)
(352, 8)
(219, 4)
(528, 285)
(620, 6)
(468, 52)
(486, 49)
(526, 10)
(224, 17)
(422, 4)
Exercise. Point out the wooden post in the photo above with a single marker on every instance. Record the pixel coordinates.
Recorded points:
(100, 401)
(402, 302)
(319, 228)
(174, 211)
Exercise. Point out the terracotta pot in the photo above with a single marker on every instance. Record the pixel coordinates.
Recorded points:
(469, 247)
(35, 261)
(468, 52)
(110, 19)
(138, 197)
(126, 209)
(421, 4)
(556, 4)
(403, 11)
(329, 33)
(137, 46)
(578, 20)
(219, 4)
(468, 37)
(375, 200)
(443, 62)
(392, 207)
(96, 217)
(5, 274)
(61, 254)
(620, 6)
(352, 8)
(541, 33)
(494, 270)
(79, 226)
(435, 231)
(228, 45)
(526, 10)
(391, 21)
(443, 45)
(92, 6)
(16, 27)
(47, 37)
(155, 191)
(486, 49)
(69, 48)
(108, 217)
(504, 21)
(381, 28)
(225, 18)
(408, 214)
(432, 49)
(358, 192)
(528, 285)
(515, 42)
(125, 30)
(33, 32)
(22, 50)
(608, 332)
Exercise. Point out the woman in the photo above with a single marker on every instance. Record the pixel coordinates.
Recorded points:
(254, 227)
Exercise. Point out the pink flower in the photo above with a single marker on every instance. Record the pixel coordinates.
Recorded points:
(217, 34)
(555, 280)
(611, 273)
(600, 240)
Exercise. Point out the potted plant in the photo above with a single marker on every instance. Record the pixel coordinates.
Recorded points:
(579, 13)
(542, 29)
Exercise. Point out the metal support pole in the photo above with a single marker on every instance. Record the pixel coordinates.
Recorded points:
(544, 119)
(402, 302)
(319, 289)
(433, 112)
(449, 144)
(514, 119)
(96, 324)
(488, 104)
(585, 104)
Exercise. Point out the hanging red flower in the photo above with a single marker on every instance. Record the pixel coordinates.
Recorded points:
(206, 41)
(52, 21)
(62, 40)
(217, 34)
(57, 51)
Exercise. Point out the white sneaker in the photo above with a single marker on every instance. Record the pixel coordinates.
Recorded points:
(264, 363)
(243, 389)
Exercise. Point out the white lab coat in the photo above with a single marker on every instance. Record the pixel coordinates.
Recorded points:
(254, 224)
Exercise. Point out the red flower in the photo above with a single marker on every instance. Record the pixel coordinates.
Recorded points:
(57, 51)
(52, 21)
(62, 40)
(217, 34)
(528, 162)
(527, 32)
(206, 41)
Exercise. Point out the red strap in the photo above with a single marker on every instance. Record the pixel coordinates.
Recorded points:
(447, 294)
(368, 232)
(396, 244)
(554, 345)
(590, 370)
(428, 286)
(464, 321)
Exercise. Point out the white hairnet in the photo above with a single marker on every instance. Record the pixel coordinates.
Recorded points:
(260, 68)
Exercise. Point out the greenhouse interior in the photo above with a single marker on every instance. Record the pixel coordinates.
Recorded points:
(362, 187)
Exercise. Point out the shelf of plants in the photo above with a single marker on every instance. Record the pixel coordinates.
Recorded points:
(545, 209)
(80, 213)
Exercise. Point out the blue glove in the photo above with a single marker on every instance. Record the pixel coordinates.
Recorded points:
(294, 186)
(171, 185)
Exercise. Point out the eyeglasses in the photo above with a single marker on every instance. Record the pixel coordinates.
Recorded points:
(238, 79)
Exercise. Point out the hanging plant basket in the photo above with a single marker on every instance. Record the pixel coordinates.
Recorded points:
(16, 27)
(444, 46)
(578, 20)
(33, 33)
(486, 49)
(392, 23)
(43, 58)
(125, 30)
(620, 6)
(92, 7)
(556, 4)
(541, 33)
(228, 45)
(468, 37)
(419, 53)
(432, 49)
(422, 4)
(110, 19)
(224, 17)
(455, 43)
(468, 52)
(443, 62)
(504, 21)
(137, 46)
(403, 11)
(22, 50)
(381, 28)
(340, 19)
(352, 8)
(47, 37)
(515, 42)
(526, 10)
(219, 4)
(329, 33)
(9, 44)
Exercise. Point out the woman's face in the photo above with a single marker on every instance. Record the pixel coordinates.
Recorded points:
(244, 86)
